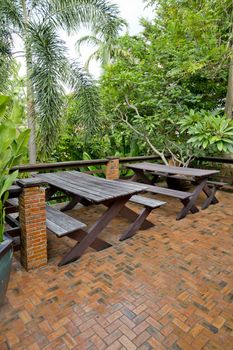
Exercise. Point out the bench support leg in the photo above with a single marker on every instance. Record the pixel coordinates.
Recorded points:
(136, 225)
(190, 205)
(210, 193)
(132, 216)
(78, 250)
(98, 244)
(194, 209)
(74, 201)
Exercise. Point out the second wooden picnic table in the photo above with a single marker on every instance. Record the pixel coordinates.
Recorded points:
(198, 177)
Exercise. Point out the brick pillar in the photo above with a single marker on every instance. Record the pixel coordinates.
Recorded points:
(32, 216)
(112, 168)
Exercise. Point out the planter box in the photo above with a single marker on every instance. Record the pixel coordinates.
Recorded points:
(6, 254)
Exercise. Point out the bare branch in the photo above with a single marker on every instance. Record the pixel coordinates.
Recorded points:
(125, 120)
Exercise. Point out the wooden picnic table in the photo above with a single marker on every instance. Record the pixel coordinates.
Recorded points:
(87, 189)
(198, 177)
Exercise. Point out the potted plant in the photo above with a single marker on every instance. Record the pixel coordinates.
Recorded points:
(12, 147)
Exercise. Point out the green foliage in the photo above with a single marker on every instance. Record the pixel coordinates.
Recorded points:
(38, 24)
(207, 130)
(105, 46)
(174, 66)
(12, 149)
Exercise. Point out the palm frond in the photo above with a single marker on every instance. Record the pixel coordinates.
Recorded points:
(48, 65)
(97, 15)
(106, 45)
(87, 40)
(5, 54)
(93, 56)
(11, 14)
(87, 97)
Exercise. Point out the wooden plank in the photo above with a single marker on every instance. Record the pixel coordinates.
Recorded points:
(60, 223)
(13, 201)
(101, 183)
(217, 183)
(166, 191)
(172, 169)
(64, 186)
(79, 187)
(104, 188)
(14, 191)
(147, 202)
(109, 185)
(169, 192)
(90, 187)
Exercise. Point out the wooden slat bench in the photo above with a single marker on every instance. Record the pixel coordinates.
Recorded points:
(184, 197)
(63, 225)
(12, 205)
(210, 191)
(149, 204)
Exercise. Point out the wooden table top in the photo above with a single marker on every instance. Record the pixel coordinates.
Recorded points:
(167, 170)
(93, 188)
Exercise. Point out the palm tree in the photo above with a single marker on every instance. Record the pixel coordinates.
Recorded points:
(106, 46)
(48, 70)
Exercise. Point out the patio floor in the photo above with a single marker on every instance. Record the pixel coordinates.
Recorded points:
(169, 287)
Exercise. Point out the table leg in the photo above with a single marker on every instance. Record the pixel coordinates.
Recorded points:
(132, 216)
(136, 225)
(210, 193)
(49, 192)
(192, 200)
(140, 175)
(194, 209)
(72, 203)
(98, 244)
(78, 250)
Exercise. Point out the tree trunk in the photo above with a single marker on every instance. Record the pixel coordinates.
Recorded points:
(229, 97)
(30, 100)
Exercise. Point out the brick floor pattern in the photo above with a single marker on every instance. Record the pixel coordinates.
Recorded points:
(167, 288)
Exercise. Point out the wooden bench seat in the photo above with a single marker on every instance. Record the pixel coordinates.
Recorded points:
(184, 197)
(165, 191)
(147, 202)
(169, 192)
(13, 201)
(61, 224)
(217, 184)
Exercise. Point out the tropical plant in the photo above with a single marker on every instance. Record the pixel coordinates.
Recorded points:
(106, 47)
(178, 67)
(37, 23)
(13, 147)
(189, 17)
(207, 130)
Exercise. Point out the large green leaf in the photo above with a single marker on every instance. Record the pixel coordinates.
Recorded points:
(8, 181)
(4, 100)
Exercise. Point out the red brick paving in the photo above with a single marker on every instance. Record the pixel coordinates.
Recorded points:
(168, 288)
